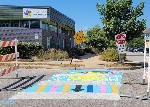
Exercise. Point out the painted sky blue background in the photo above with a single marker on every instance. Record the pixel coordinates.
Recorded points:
(82, 11)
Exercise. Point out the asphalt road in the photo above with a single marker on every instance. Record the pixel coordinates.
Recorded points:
(130, 86)
(134, 76)
(135, 56)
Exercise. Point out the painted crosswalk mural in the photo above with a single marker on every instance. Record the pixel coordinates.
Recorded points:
(114, 88)
(76, 84)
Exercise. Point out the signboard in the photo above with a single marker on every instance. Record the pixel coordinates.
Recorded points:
(36, 36)
(79, 37)
(120, 39)
(121, 48)
(121, 42)
(34, 13)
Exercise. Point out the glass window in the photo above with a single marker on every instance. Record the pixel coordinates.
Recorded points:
(4, 23)
(53, 28)
(24, 24)
(15, 23)
(45, 26)
(35, 24)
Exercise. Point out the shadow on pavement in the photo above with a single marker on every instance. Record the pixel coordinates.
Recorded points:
(23, 83)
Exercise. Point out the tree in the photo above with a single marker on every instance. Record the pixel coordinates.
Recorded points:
(96, 38)
(118, 16)
(136, 42)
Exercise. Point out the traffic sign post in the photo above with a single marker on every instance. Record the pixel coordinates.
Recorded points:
(146, 57)
(121, 44)
(145, 61)
(17, 55)
(146, 73)
(79, 37)
(9, 57)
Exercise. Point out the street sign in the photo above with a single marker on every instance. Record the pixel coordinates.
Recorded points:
(79, 37)
(120, 39)
(121, 48)
(121, 42)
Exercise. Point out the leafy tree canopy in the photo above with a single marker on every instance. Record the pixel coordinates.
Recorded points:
(136, 42)
(96, 38)
(119, 16)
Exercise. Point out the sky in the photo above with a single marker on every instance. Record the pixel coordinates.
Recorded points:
(83, 12)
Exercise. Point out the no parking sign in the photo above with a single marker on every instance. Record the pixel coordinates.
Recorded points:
(121, 42)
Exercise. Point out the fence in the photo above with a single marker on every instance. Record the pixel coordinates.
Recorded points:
(9, 57)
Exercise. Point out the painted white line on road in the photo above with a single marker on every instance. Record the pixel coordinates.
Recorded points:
(43, 95)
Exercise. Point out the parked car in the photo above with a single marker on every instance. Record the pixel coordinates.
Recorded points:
(130, 49)
(135, 50)
(141, 49)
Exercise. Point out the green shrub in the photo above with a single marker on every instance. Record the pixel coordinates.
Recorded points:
(75, 52)
(112, 44)
(88, 50)
(7, 50)
(52, 54)
(110, 54)
(96, 51)
(61, 55)
(91, 50)
(35, 52)
(26, 50)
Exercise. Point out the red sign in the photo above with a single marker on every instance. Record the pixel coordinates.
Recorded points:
(120, 38)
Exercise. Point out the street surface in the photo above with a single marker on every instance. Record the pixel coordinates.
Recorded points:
(130, 85)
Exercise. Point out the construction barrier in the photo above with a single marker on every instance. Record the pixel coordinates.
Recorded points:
(146, 73)
(145, 61)
(9, 57)
(8, 43)
(8, 70)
